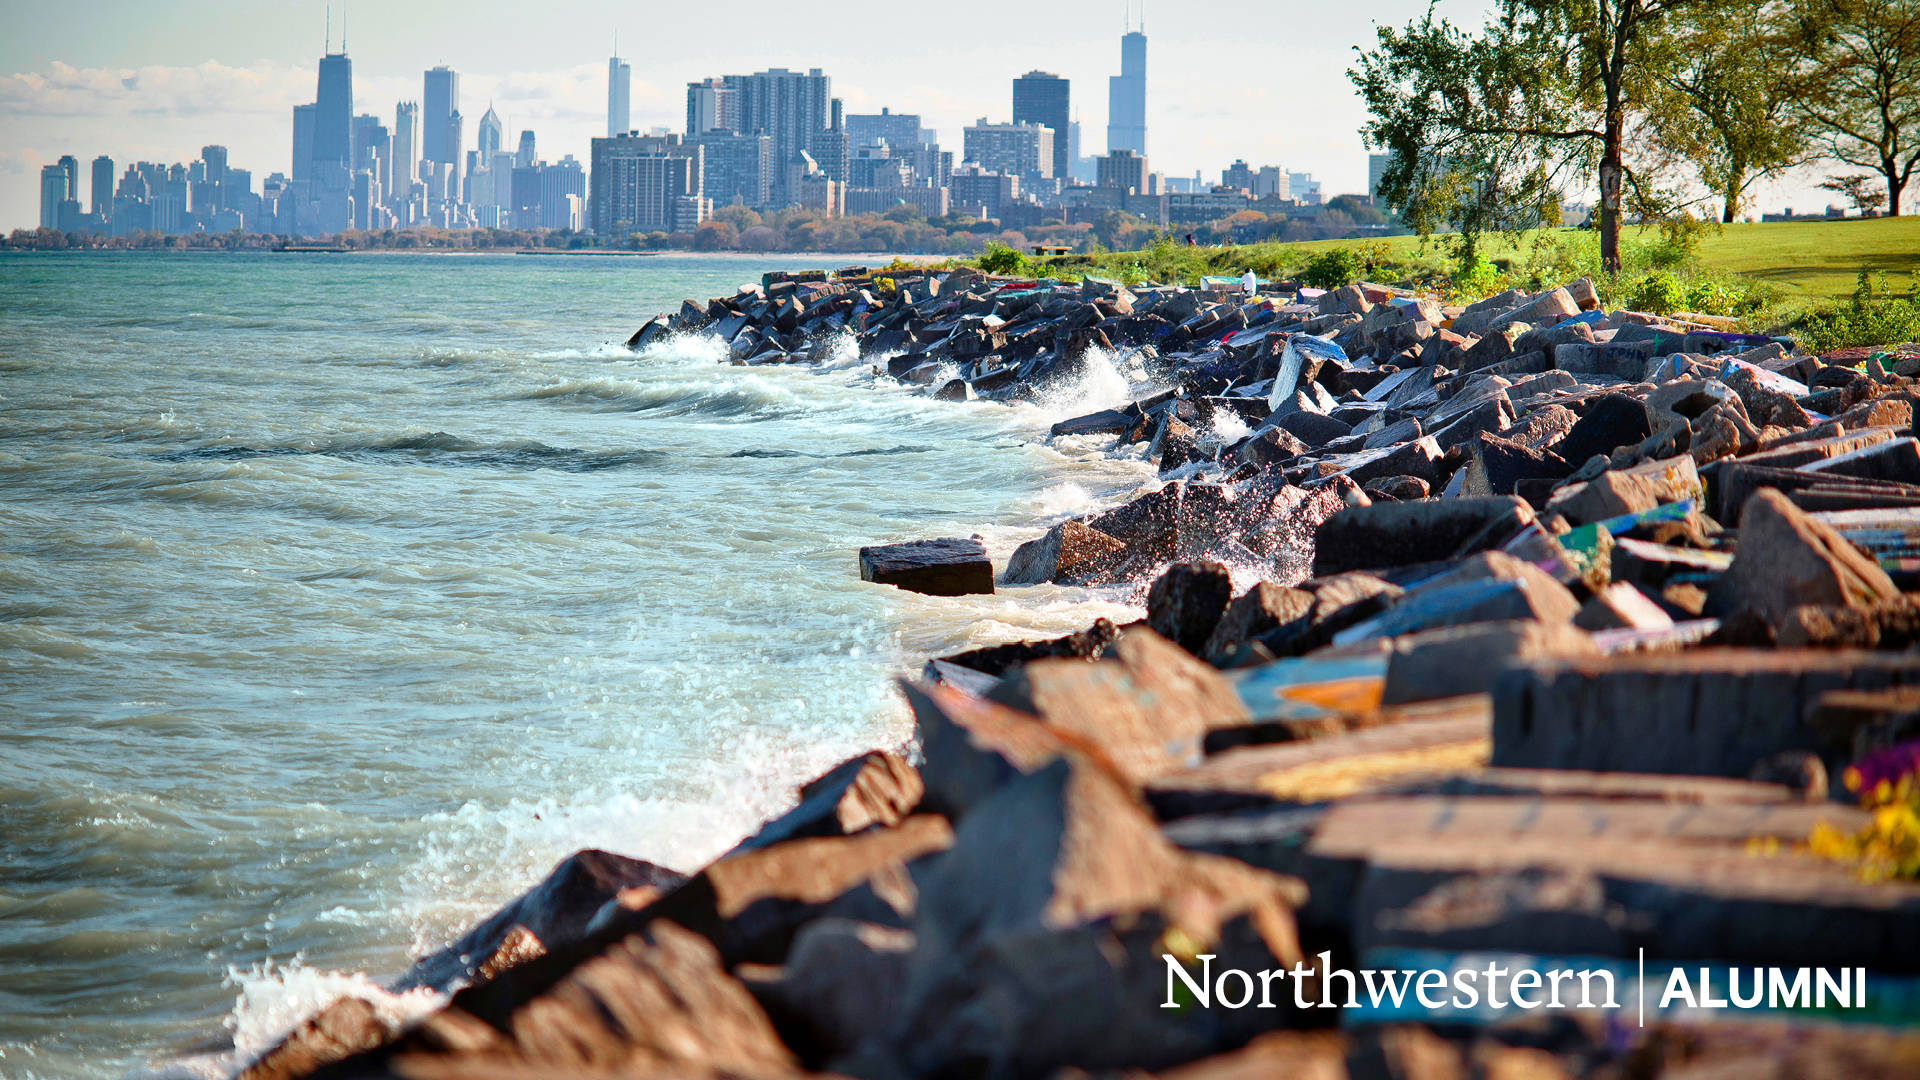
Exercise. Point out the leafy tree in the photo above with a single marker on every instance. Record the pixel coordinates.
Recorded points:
(1863, 95)
(1726, 81)
(1858, 190)
(1482, 128)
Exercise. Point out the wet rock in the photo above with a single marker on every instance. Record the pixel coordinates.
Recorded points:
(1398, 488)
(1186, 602)
(1312, 428)
(1261, 610)
(1269, 446)
(554, 913)
(349, 1026)
(944, 567)
(1787, 558)
(1069, 553)
(997, 660)
(877, 788)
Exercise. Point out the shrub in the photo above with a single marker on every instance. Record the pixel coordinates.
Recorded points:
(1476, 279)
(1871, 317)
(1332, 268)
(998, 258)
(1658, 293)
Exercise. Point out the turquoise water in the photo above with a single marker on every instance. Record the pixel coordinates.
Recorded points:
(340, 596)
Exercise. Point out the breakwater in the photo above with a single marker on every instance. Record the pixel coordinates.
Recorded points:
(1524, 628)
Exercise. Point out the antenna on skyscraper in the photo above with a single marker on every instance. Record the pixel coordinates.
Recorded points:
(343, 28)
(328, 47)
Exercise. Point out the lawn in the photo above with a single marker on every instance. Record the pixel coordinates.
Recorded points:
(1814, 260)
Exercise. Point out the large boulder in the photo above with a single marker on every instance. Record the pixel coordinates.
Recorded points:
(1787, 558)
(949, 566)
(1185, 603)
(1070, 552)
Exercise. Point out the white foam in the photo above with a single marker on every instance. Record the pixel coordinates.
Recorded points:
(1100, 385)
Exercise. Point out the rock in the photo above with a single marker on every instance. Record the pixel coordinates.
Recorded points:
(349, 1026)
(955, 390)
(1544, 427)
(945, 567)
(1787, 559)
(1107, 422)
(1055, 903)
(658, 1003)
(1398, 488)
(1312, 428)
(1143, 708)
(1612, 421)
(1069, 553)
(1271, 445)
(996, 660)
(1496, 466)
(1704, 712)
(1186, 602)
(877, 788)
(1459, 660)
(1621, 606)
(840, 986)
(1387, 535)
(1260, 610)
(554, 913)
(657, 329)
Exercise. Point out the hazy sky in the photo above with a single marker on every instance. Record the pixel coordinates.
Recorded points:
(145, 80)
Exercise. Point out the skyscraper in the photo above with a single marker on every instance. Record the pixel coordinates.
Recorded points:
(442, 101)
(619, 93)
(333, 111)
(406, 146)
(712, 106)
(103, 186)
(525, 157)
(1043, 98)
(787, 107)
(70, 167)
(53, 192)
(492, 135)
(1127, 97)
(303, 121)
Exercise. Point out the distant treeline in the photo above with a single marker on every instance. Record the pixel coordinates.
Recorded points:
(735, 228)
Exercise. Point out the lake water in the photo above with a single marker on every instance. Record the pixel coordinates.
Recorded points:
(341, 596)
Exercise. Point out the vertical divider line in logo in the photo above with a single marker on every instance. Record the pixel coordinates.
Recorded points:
(1641, 986)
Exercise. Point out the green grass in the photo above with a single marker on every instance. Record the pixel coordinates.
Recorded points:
(1815, 260)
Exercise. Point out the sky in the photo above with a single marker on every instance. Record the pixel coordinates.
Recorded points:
(1263, 80)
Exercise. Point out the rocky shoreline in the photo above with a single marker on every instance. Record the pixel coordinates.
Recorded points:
(1566, 630)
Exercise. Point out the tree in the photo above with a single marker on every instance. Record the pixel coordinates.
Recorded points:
(1482, 129)
(1857, 189)
(1726, 80)
(1863, 95)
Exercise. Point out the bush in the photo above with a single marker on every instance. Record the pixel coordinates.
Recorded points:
(998, 258)
(1332, 268)
(1658, 293)
(1477, 279)
(1869, 318)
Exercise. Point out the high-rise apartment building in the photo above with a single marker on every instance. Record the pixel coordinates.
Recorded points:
(1045, 99)
(1125, 170)
(897, 130)
(406, 146)
(736, 168)
(53, 192)
(103, 186)
(440, 104)
(1127, 97)
(645, 183)
(1023, 150)
(619, 96)
(711, 106)
(333, 110)
(787, 107)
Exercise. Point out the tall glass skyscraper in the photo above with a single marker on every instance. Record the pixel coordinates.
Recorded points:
(437, 135)
(1127, 97)
(619, 94)
(333, 111)
(1043, 98)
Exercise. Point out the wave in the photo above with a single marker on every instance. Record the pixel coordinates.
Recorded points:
(438, 448)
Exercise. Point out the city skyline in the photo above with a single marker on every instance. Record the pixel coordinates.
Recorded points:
(115, 97)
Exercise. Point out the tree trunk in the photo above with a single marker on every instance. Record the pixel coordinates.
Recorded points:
(1893, 190)
(1610, 204)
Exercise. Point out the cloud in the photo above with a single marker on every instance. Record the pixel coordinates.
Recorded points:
(65, 91)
